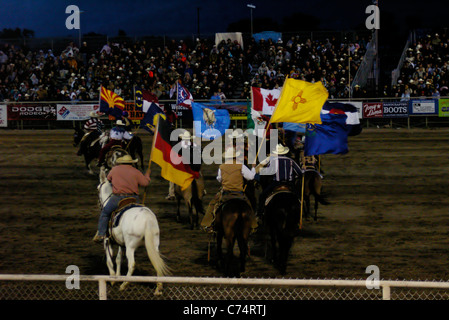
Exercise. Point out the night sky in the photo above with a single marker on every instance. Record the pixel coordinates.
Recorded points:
(173, 17)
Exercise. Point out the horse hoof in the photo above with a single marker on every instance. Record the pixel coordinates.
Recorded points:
(123, 286)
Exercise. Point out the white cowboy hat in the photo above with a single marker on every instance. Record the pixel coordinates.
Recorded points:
(119, 123)
(231, 153)
(280, 150)
(126, 159)
(94, 114)
(185, 136)
(235, 134)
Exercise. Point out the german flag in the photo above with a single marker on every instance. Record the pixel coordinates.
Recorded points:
(172, 167)
(111, 103)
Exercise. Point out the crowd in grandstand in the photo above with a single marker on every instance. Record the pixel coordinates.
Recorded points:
(226, 70)
(426, 68)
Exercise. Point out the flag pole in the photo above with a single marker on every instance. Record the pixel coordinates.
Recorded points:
(269, 122)
(156, 131)
(302, 202)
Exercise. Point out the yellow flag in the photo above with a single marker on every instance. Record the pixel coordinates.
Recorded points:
(300, 101)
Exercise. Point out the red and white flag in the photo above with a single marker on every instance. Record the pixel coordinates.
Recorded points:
(263, 100)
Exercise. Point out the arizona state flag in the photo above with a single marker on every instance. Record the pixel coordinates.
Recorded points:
(111, 103)
(300, 102)
(172, 167)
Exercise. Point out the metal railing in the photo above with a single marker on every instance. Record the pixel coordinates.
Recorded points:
(397, 72)
(365, 70)
(54, 287)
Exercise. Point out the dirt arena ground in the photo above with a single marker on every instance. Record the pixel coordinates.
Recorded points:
(389, 207)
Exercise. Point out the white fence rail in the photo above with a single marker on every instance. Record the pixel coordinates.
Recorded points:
(65, 287)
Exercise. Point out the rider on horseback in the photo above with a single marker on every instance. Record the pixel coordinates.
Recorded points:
(94, 122)
(92, 129)
(116, 139)
(127, 125)
(307, 162)
(231, 174)
(186, 143)
(125, 180)
(286, 170)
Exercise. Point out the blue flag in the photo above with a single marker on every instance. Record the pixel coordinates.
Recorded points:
(295, 127)
(329, 137)
(353, 125)
(150, 118)
(209, 122)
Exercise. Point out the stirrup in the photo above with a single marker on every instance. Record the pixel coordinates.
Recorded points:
(98, 239)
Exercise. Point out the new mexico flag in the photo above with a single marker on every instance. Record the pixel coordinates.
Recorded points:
(300, 101)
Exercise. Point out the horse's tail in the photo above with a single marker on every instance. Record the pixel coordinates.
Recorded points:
(196, 199)
(151, 231)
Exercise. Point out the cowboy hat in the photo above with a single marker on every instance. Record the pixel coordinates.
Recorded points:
(231, 153)
(126, 159)
(185, 136)
(235, 134)
(280, 150)
(94, 114)
(119, 123)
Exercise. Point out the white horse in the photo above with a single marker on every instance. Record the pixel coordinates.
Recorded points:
(138, 226)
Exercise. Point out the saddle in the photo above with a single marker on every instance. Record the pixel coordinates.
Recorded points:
(314, 170)
(277, 190)
(124, 204)
(230, 195)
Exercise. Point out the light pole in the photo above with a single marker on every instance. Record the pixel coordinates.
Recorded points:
(79, 30)
(251, 6)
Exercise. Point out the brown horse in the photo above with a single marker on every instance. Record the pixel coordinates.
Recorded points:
(312, 186)
(193, 197)
(233, 222)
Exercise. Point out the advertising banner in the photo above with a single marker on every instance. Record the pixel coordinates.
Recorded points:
(443, 108)
(31, 112)
(396, 109)
(423, 107)
(75, 111)
(3, 116)
(358, 105)
(372, 110)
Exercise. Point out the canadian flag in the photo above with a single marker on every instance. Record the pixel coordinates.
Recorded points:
(264, 100)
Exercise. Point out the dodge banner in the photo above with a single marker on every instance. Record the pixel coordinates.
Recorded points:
(31, 112)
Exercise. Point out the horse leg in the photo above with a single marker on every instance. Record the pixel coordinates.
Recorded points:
(219, 247)
(307, 205)
(273, 244)
(131, 264)
(178, 213)
(89, 167)
(317, 195)
(243, 247)
(86, 161)
(109, 250)
(191, 218)
(118, 261)
(285, 244)
(230, 242)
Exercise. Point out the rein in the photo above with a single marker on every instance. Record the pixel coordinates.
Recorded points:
(99, 198)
